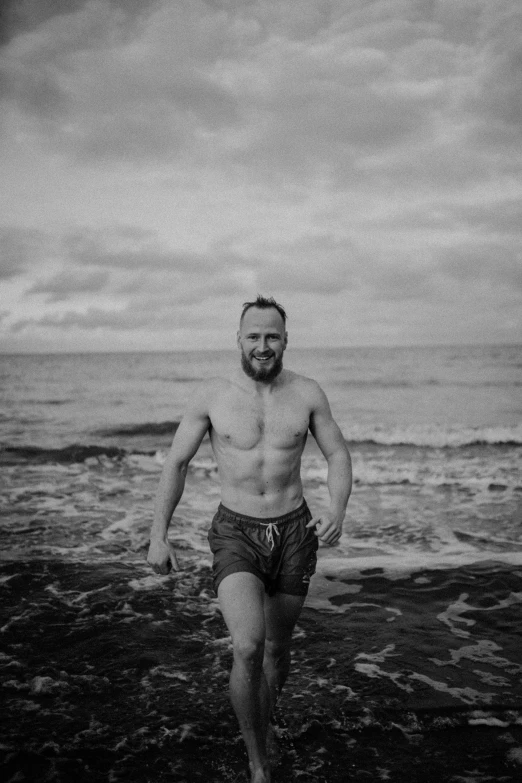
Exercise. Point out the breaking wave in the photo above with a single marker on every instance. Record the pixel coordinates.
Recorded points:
(438, 437)
(74, 453)
(429, 437)
(149, 431)
(139, 430)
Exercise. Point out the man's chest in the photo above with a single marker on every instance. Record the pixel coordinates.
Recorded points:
(244, 422)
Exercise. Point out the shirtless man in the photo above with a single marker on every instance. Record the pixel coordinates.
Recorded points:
(263, 537)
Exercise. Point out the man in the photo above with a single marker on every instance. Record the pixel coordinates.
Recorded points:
(263, 537)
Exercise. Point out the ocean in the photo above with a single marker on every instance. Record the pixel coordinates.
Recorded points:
(410, 643)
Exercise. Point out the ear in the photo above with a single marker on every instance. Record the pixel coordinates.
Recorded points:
(238, 339)
(286, 339)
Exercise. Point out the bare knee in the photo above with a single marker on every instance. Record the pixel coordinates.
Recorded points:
(277, 649)
(249, 651)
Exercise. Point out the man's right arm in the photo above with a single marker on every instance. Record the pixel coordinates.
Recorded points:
(187, 440)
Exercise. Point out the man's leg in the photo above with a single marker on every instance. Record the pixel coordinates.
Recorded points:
(281, 614)
(241, 598)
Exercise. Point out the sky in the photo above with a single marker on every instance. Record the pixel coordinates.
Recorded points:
(164, 161)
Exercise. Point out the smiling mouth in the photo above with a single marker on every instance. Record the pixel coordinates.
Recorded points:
(263, 358)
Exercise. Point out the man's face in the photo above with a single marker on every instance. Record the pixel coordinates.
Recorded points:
(262, 340)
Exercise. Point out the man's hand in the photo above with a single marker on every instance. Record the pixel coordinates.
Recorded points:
(328, 528)
(162, 556)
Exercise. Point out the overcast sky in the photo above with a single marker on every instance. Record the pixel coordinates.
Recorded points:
(162, 161)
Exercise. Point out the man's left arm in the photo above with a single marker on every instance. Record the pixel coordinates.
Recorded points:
(329, 438)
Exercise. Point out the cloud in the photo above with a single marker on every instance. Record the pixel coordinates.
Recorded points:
(20, 249)
(319, 263)
(493, 265)
(274, 88)
(127, 248)
(496, 102)
(69, 283)
(154, 311)
(503, 218)
(161, 156)
(122, 277)
(102, 84)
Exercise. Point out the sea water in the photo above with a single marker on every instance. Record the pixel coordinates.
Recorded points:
(435, 436)
(418, 609)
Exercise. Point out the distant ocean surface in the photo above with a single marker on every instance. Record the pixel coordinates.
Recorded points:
(416, 613)
(433, 397)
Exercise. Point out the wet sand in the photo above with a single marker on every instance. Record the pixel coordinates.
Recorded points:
(110, 673)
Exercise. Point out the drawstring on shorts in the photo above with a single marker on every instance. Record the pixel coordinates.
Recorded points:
(271, 528)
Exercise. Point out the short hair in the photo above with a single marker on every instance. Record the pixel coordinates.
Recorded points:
(264, 303)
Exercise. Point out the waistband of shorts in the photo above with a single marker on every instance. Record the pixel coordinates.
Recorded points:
(233, 516)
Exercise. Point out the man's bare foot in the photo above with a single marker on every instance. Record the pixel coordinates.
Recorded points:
(260, 775)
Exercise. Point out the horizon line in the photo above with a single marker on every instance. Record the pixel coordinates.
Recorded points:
(232, 350)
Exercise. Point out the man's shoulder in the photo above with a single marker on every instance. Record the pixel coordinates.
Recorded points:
(301, 384)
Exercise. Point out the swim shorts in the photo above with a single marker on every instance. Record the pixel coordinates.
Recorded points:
(281, 551)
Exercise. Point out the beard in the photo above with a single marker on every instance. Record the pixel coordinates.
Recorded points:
(263, 374)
